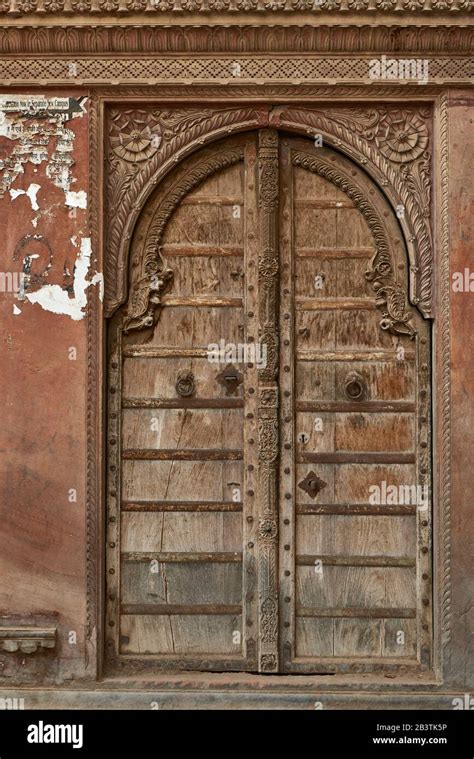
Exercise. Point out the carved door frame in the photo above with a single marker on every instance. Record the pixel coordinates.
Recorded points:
(418, 219)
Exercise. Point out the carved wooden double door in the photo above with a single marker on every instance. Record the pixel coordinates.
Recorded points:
(269, 446)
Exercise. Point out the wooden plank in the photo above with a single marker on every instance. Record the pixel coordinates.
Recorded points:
(150, 351)
(202, 637)
(146, 582)
(364, 536)
(181, 506)
(196, 326)
(198, 251)
(341, 586)
(148, 480)
(323, 203)
(357, 508)
(353, 355)
(186, 429)
(200, 301)
(149, 378)
(356, 561)
(332, 304)
(366, 407)
(335, 253)
(178, 531)
(346, 432)
(181, 455)
(171, 403)
(160, 609)
(352, 457)
(353, 613)
(212, 200)
(168, 556)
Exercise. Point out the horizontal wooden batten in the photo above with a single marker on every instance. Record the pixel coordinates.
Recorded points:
(349, 457)
(164, 557)
(177, 403)
(201, 301)
(149, 351)
(171, 454)
(368, 407)
(323, 203)
(383, 355)
(356, 561)
(363, 509)
(327, 253)
(212, 200)
(178, 249)
(200, 506)
(353, 613)
(166, 609)
(333, 304)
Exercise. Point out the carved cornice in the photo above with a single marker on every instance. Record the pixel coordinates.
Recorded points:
(70, 40)
(92, 10)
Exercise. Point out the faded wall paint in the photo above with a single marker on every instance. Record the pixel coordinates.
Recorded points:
(46, 251)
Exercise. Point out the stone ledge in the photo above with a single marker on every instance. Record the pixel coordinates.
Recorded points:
(27, 640)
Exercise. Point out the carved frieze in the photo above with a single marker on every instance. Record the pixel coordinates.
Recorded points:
(91, 9)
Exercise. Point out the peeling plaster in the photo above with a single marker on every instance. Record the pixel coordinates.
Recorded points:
(76, 199)
(34, 123)
(53, 298)
(31, 192)
(42, 142)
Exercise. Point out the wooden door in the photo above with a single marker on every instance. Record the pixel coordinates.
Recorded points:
(262, 510)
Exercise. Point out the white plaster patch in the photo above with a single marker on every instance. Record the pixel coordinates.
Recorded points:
(76, 199)
(31, 193)
(53, 298)
(16, 310)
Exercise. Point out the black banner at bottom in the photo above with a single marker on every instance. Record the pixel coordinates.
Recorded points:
(227, 733)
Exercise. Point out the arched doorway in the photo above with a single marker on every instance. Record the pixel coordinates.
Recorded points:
(269, 430)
